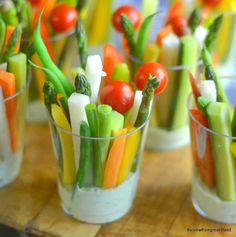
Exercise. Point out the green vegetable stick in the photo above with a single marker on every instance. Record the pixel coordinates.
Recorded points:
(46, 59)
(101, 150)
(85, 154)
(92, 116)
(121, 72)
(9, 14)
(224, 162)
(194, 20)
(234, 123)
(17, 64)
(2, 34)
(117, 122)
(143, 37)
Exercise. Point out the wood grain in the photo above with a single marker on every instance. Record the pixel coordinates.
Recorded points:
(162, 207)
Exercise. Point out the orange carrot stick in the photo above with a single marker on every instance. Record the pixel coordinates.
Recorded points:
(163, 33)
(113, 162)
(9, 31)
(177, 9)
(7, 82)
(202, 155)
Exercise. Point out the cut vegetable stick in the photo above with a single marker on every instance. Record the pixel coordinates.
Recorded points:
(113, 162)
(202, 149)
(121, 72)
(208, 90)
(9, 31)
(117, 122)
(17, 65)
(166, 30)
(200, 35)
(151, 53)
(69, 172)
(47, 5)
(77, 103)
(177, 9)
(225, 173)
(135, 108)
(169, 57)
(2, 33)
(5, 142)
(194, 85)
(149, 7)
(7, 82)
(94, 73)
(132, 143)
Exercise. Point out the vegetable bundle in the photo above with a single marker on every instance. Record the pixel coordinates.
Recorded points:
(106, 118)
(178, 47)
(214, 153)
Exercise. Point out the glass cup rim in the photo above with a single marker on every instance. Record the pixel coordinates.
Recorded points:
(190, 97)
(170, 67)
(19, 92)
(99, 138)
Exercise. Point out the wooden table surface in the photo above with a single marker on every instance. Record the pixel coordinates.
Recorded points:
(162, 207)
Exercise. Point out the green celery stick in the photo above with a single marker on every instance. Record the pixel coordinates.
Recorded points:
(117, 122)
(85, 154)
(224, 162)
(121, 72)
(2, 33)
(17, 64)
(188, 56)
(92, 116)
(9, 14)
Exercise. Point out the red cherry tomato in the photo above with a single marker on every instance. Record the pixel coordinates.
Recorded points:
(131, 12)
(63, 18)
(179, 24)
(154, 69)
(212, 3)
(119, 95)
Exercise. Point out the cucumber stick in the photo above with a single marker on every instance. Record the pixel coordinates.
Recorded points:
(208, 90)
(169, 54)
(117, 122)
(188, 57)
(77, 103)
(17, 64)
(224, 162)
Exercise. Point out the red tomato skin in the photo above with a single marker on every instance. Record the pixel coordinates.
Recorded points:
(63, 18)
(35, 2)
(179, 25)
(119, 95)
(212, 3)
(154, 69)
(131, 12)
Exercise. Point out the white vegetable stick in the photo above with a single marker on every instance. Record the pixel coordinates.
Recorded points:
(5, 142)
(137, 102)
(208, 90)
(77, 103)
(200, 35)
(94, 73)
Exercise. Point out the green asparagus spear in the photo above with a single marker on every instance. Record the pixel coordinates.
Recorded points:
(82, 42)
(50, 95)
(194, 20)
(12, 43)
(85, 154)
(213, 31)
(2, 33)
(148, 94)
(129, 31)
(82, 85)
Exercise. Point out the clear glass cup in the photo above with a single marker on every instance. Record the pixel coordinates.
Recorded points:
(169, 122)
(214, 173)
(63, 50)
(12, 133)
(104, 202)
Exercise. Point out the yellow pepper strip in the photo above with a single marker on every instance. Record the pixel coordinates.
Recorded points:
(132, 143)
(69, 172)
(99, 27)
(151, 53)
(233, 148)
(149, 7)
(114, 159)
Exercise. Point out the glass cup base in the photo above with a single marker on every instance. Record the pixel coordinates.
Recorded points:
(10, 168)
(37, 112)
(208, 205)
(97, 206)
(161, 140)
